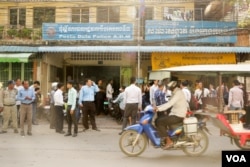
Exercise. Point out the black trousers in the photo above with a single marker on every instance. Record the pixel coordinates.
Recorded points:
(59, 118)
(71, 120)
(52, 116)
(164, 123)
(88, 111)
(99, 102)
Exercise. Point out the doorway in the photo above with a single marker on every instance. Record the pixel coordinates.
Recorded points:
(80, 73)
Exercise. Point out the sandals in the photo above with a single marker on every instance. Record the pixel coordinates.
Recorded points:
(168, 146)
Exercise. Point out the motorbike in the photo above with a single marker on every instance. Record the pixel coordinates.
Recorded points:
(188, 136)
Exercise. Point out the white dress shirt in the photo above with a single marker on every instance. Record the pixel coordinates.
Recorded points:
(133, 95)
(18, 88)
(152, 90)
(58, 98)
(198, 94)
(236, 97)
(109, 91)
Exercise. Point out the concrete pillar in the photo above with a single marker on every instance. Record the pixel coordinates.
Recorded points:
(92, 14)
(29, 17)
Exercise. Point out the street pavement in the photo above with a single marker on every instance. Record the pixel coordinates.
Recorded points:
(45, 148)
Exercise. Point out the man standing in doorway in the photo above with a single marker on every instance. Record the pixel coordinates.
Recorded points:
(86, 102)
(99, 98)
(26, 95)
(18, 86)
(109, 93)
(8, 101)
(133, 103)
(71, 108)
(59, 104)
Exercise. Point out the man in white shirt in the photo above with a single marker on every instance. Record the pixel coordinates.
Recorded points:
(133, 103)
(200, 92)
(235, 100)
(59, 104)
(109, 92)
(152, 90)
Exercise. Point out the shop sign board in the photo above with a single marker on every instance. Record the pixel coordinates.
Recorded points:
(166, 60)
(87, 31)
(191, 31)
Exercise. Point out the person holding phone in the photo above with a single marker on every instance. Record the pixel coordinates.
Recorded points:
(86, 102)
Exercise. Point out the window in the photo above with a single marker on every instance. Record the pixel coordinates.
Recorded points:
(80, 15)
(4, 77)
(28, 71)
(43, 15)
(96, 56)
(108, 14)
(17, 16)
(55, 73)
(16, 70)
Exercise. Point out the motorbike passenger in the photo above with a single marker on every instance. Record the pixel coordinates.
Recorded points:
(178, 112)
(160, 99)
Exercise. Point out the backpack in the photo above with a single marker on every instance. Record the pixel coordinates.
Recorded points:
(194, 103)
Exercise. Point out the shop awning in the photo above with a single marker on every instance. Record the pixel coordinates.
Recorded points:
(15, 57)
(19, 49)
(119, 49)
(149, 49)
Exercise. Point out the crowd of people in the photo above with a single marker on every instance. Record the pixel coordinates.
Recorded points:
(171, 101)
(19, 103)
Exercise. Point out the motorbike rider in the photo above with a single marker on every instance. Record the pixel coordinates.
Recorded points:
(178, 112)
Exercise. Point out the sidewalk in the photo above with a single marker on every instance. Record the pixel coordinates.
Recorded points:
(102, 122)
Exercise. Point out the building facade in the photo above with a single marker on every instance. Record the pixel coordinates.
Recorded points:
(61, 58)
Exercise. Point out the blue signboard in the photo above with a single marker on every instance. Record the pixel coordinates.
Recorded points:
(87, 31)
(191, 31)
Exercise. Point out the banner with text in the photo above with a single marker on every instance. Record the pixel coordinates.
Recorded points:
(191, 31)
(166, 60)
(87, 31)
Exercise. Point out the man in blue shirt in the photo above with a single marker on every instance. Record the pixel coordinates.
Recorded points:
(26, 95)
(86, 102)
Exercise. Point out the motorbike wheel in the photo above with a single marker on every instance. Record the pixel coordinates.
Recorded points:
(245, 147)
(199, 146)
(126, 143)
